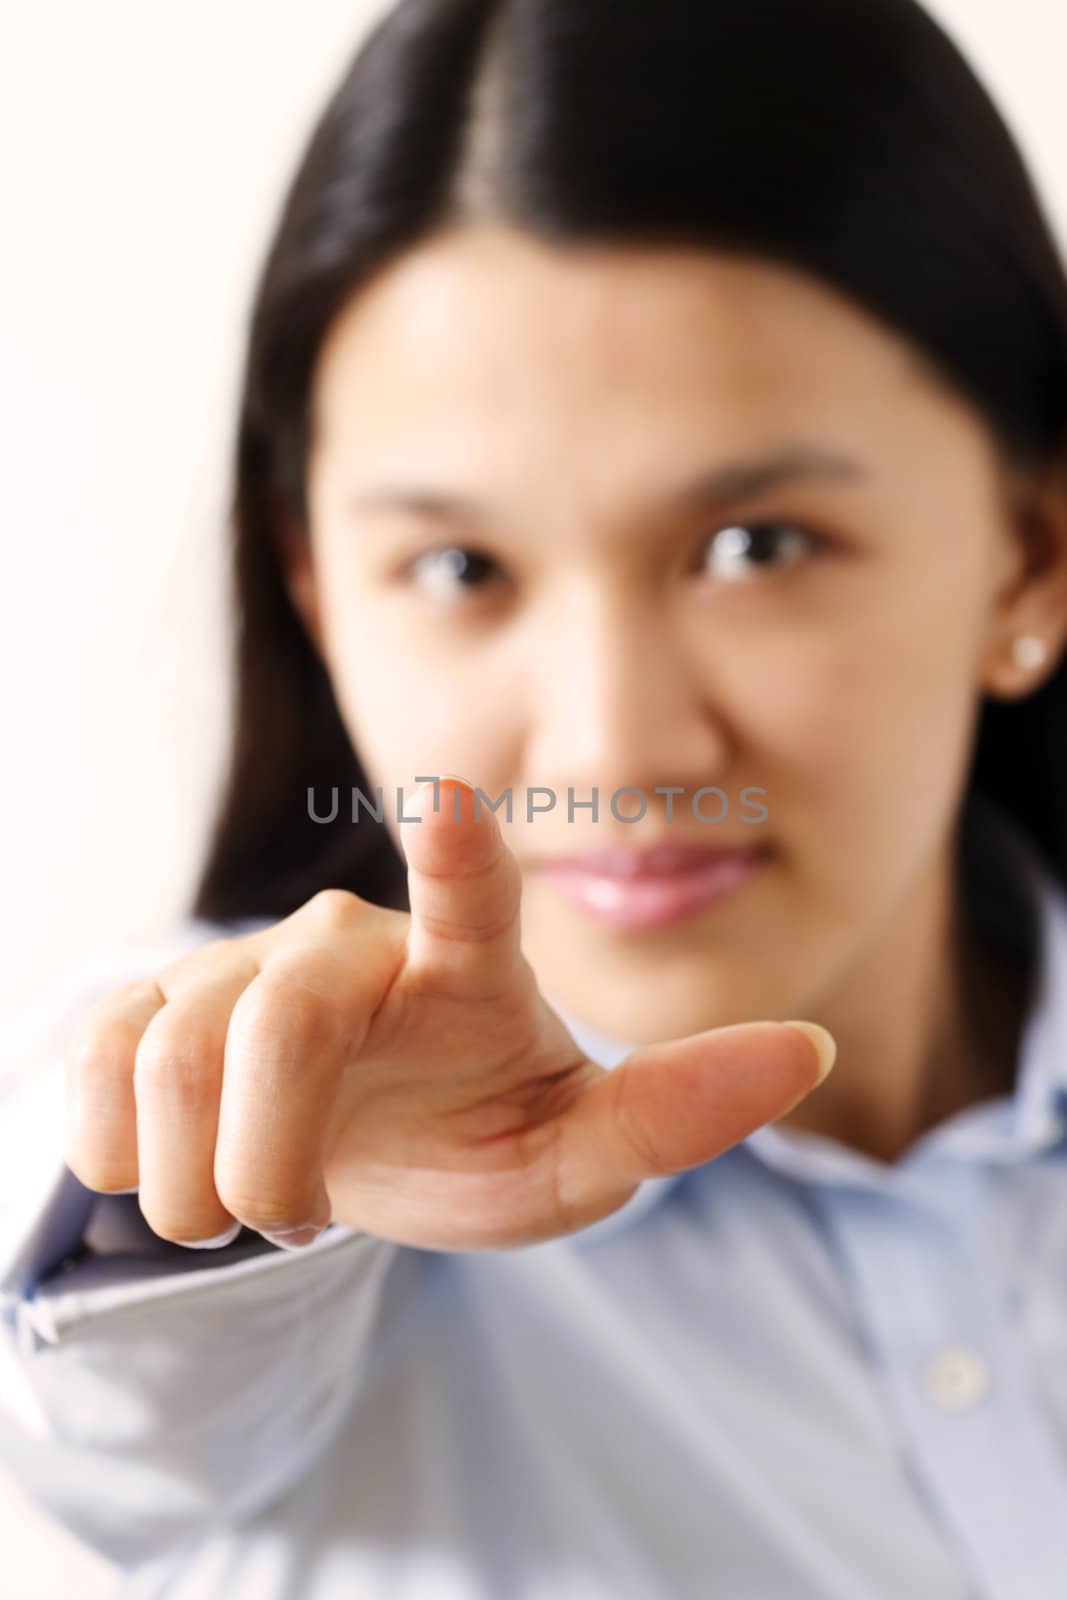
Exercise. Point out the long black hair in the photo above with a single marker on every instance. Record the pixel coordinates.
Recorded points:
(847, 138)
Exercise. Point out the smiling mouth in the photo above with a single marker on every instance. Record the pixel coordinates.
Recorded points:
(653, 888)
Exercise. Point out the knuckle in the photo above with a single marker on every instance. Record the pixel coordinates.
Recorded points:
(333, 909)
(178, 1059)
(294, 998)
(198, 963)
(97, 1173)
(97, 1104)
(479, 907)
(102, 1050)
(184, 1230)
(472, 929)
(135, 989)
(633, 1130)
(261, 1208)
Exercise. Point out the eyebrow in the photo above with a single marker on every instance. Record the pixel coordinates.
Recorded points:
(727, 483)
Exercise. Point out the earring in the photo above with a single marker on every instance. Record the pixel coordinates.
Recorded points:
(1028, 651)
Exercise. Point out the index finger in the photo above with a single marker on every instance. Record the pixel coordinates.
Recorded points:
(465, 892)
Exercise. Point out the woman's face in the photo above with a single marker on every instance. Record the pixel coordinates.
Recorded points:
(722, 529)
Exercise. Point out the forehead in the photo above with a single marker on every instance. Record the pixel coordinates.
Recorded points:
(484, 324)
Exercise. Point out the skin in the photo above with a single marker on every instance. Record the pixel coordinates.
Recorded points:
(567, 395)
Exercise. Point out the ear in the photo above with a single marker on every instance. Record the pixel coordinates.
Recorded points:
(292, 540)
(1033, 599)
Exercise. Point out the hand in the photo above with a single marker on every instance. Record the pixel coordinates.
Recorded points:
(401, 1074)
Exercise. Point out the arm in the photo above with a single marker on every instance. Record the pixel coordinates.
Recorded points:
(147, 1390)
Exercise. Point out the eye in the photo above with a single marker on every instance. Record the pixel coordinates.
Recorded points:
(743, 549)
(450, 570)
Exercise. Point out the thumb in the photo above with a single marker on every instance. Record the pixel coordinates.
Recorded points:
(671, 1106)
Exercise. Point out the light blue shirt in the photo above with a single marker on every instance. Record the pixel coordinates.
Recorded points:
(792, 1373)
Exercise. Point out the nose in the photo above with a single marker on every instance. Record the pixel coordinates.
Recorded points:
(619, 699)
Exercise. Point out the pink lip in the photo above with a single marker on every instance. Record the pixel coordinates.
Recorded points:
(633, 890)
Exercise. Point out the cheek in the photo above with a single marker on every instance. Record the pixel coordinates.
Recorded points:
(407, 719)
(862, 728)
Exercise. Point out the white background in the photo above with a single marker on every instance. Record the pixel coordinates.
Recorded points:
(143, 150)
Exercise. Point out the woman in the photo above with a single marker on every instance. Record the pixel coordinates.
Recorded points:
(669, 403)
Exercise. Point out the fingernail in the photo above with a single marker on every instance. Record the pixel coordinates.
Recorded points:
(824, 1042)
(135, 1190)
(295, 1238)
(214, 1244)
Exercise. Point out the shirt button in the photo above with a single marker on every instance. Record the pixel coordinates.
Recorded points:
(956, 1377)
(1050, 1129)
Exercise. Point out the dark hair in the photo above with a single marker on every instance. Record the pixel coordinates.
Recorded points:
(847, 138)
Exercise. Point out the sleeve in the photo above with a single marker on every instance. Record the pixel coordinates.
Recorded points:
(149, 1392)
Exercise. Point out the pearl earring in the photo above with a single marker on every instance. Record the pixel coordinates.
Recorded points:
(1028, 651)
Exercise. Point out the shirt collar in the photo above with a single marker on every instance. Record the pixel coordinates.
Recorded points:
(1040, 1098)
(1016, 898)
